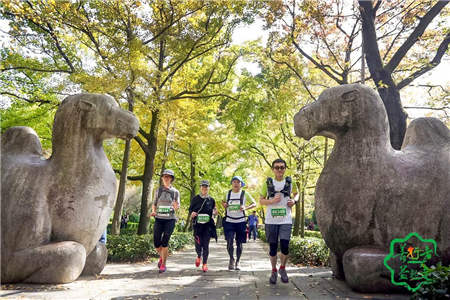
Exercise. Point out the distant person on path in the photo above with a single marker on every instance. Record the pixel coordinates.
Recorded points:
(201, 210)
(276, 195)
(166, 202)
(234, 223)
(253, 225)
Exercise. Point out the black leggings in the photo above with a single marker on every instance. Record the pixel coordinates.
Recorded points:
(162, 230)
(230, 248)
(284, 247)
(202, 237)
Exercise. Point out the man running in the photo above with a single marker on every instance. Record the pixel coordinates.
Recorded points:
(276, 195)
(253, 225)
(201, 210)
(166, 202)
(234, 223)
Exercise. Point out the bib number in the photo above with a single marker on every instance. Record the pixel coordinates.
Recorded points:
(163, 210)
(202, 218)
(278, 212)
(234, 207)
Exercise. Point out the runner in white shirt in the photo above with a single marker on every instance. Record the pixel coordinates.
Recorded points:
(234, 223)
(276, 195)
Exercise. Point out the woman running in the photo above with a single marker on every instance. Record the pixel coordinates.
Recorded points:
(201, 210)
(167, 201)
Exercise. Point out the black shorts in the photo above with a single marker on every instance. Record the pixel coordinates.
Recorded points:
(162, 230)
(231, 230)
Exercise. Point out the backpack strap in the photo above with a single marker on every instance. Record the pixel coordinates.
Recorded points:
(270, 187)
(287, 186)
(242, 201)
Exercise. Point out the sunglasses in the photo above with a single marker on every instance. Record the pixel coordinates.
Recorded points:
(279, 167)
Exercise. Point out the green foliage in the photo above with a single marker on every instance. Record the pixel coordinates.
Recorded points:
(308, 251)
(312, 233)
(134, 218)
(440, 286)
(133, 248)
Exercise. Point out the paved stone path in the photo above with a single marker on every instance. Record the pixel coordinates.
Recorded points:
(183, 281)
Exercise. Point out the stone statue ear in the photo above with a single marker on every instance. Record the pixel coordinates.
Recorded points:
(86, 105)
(350, 96)
(350, 106)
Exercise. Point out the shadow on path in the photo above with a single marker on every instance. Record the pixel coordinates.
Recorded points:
(183, 280)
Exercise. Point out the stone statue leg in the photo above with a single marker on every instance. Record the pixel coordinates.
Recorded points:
(365, 271)
(336, 266)
(96, 260)
(60, 262)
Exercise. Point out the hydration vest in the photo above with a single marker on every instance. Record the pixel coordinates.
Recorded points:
(241, 199)
(286, 191)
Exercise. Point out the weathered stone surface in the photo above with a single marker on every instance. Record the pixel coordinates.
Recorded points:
(96, 260)
(368, 193)
(53, 211)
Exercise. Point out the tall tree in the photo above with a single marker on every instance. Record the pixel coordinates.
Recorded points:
(140, 46)
(401, 43)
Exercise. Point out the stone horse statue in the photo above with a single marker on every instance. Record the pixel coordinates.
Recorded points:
(368, 193)
(53, 211)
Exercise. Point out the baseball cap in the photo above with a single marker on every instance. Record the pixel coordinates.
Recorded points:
(204, 182)
(238, 178)
(168, 172)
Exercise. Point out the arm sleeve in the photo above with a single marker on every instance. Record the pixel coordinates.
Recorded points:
(191, 206)
(178, 198)
(250, 198)
(263, 191)
(155, 197)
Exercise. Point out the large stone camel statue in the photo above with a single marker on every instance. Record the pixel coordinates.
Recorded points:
(368, 193)
(53, 211)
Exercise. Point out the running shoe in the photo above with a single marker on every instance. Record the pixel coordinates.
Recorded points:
(205, 268)
(273, 277)
(197, 262)
(231, 264)
(162, 269)
(236, 266)
(283, 275)
(160, 262)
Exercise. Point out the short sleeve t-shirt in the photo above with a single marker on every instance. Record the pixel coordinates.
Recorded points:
(233, 210)
(164, 199)
(278, 213)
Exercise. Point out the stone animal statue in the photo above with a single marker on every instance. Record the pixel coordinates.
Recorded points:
(53, 211)
(368, 193)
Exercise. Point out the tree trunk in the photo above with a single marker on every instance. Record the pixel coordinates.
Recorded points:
(148, 173)
(297, 214)
(383, 78)
(115, 227)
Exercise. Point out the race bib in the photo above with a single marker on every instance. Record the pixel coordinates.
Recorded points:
(163, 210)
(278, 212)
(202, 218)
(234, 207)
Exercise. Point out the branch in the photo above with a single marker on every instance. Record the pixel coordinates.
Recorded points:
(34, 69)
(414, 36)
(436, 61)
(26, 99)
(262, 155)
(318, 65)
(141, 143)
(133, 178)
(295, 72)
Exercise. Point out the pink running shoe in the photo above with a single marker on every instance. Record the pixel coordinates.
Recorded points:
(160, 262)
(162, 269)
(197, 262)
